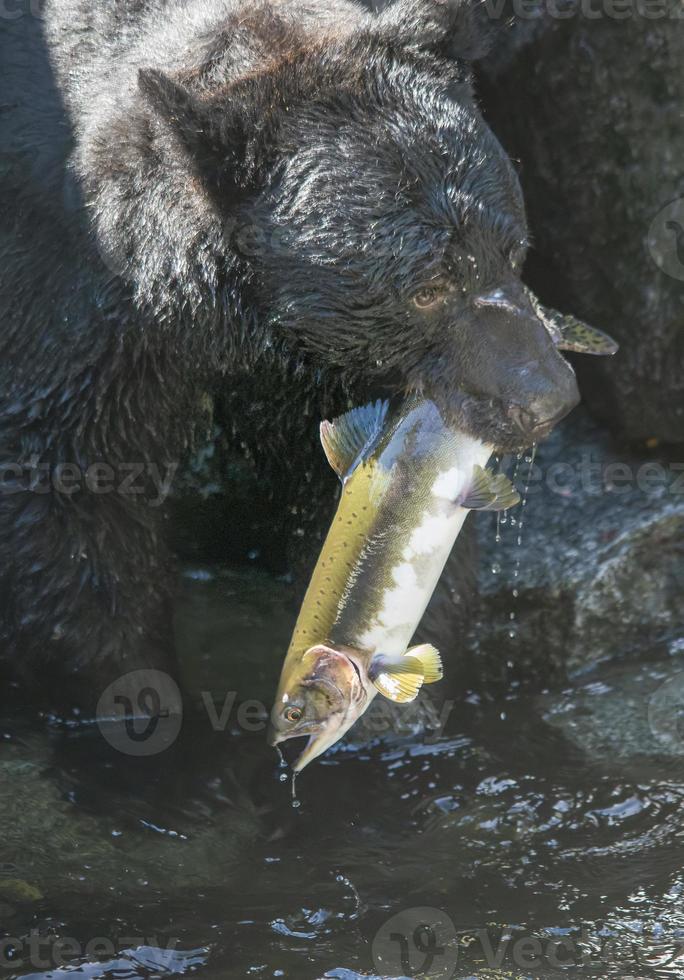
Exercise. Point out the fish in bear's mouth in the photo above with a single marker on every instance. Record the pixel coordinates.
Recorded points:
(409, 478)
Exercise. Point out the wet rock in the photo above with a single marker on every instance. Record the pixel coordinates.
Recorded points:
(600, 570)
(627, 715)
(590, 106)
(59, 843)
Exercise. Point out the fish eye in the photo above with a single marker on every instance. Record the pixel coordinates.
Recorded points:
(293, 714)
(426, 297)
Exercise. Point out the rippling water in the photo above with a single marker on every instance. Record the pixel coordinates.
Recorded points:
(532, 836)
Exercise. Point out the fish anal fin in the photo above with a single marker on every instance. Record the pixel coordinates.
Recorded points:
(489, 491)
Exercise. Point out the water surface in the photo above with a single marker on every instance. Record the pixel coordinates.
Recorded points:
(534, 835)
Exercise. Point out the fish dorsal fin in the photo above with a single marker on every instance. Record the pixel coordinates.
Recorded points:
(489, 491)
(348, 439)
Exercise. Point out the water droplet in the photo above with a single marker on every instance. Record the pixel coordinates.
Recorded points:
(511, 615)
(496, 568)
(295, 802)
(283, 777)
(511, 634)
(515, 593)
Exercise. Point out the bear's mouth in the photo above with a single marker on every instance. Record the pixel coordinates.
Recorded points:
(506, 429)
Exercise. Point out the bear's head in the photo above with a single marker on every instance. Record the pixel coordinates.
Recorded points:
(370, 211)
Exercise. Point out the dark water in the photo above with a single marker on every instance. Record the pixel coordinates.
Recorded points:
(534, 836)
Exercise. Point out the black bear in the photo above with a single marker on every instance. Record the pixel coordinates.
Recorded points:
(285, 190)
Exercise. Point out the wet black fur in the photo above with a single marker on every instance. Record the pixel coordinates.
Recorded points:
(209, 188)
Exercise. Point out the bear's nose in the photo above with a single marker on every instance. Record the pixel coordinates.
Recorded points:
(536, 419)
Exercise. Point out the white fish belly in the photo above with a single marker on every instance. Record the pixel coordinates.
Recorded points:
(423, 557)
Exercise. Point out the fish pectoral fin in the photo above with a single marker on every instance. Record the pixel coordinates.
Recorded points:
(430, 662)
(583, 339)
(398, 678)
(489, 491)
(350, 438)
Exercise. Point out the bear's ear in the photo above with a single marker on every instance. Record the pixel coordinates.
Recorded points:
(460, 29)
(213, 131)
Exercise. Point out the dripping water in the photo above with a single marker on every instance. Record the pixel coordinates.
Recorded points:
(283, 777)
(519, 538)
(514, 480)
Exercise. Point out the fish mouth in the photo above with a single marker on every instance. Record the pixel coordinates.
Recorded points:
(309, 746)
(307, 754)
(317, 742)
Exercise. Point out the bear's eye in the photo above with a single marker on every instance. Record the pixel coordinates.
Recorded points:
(426, 297)
(293, 714)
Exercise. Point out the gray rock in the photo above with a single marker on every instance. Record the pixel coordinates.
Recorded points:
(625, 715)
(591, 108)
(600, 571)
(83, 854)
